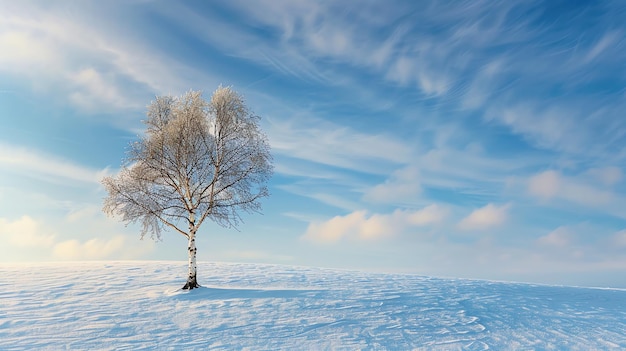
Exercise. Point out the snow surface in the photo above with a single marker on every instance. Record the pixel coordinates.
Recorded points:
(137, 306)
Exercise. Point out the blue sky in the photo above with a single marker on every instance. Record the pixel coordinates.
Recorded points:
(476, 139)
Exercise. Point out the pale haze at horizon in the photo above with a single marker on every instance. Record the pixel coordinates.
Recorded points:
(470, 140)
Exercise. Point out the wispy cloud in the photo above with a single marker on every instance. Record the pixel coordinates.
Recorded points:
(322, 193)
(572, 127)
(94, 90)
(605, 42)
(45, 166)
(85, 59)
(329, 144)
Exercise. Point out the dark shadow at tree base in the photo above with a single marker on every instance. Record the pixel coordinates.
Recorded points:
(191, 285)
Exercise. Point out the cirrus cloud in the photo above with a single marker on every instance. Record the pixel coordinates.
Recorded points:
(49, 167)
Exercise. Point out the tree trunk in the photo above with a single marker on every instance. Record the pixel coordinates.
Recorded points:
(191, 277)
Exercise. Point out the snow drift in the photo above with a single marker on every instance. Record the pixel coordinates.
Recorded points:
(138, 306)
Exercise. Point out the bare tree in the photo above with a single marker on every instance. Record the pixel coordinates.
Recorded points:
(197, 160)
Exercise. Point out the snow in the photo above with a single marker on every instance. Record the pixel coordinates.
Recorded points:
(138, 306)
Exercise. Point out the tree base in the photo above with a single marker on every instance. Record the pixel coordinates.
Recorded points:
(191, 285)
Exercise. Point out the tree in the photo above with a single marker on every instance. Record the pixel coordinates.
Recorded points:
(197, 160)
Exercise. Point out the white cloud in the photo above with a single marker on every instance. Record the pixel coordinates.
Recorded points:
(551, 127)
(336, 228)
(545, 185)
(93, 249)
(331, 41)
(30, 239)
(49, 167)
(85, 212)
(401, 70)
(553, 185)
(583, 127)
(94, 90)
(428, 215)
(90, 235)
(23, 52)
(559, 237)
(607, 175)
(619, 239)
(360, 225)
(410, 69)
(402, 185)
(432, 84)
(485, 217)
(25, 232)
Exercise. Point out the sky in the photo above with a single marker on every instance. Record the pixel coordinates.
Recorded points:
(471, 139)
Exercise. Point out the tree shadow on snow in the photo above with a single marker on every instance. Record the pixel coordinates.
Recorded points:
(213, 293)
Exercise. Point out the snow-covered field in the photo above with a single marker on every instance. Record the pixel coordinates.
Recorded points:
(136, 306)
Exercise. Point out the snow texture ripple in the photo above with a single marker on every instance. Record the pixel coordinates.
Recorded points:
(137, 306)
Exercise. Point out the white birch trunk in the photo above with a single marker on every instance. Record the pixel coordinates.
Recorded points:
(193, 270)
(192, 281)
